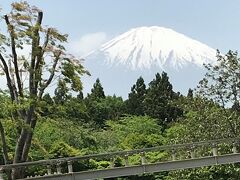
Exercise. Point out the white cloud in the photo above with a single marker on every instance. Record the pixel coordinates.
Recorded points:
(87, 43)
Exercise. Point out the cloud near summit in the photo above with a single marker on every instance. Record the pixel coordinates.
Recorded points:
(87, 43)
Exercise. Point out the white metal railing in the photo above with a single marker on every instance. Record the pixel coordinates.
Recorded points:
(192, 149)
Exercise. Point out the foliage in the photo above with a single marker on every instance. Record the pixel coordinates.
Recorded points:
(221, 172)
(131, 132)
(134, 104)
(69, 124)
(61, 93)
(62, 149)
(203, 120)
(222, 81)
(97, 92)
(51, 131)
(208, 116)
(158, 100)
(100, 110)
(45, 60)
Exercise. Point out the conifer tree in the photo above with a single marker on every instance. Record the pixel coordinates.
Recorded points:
(80, 96)
(136, 97)
(97, 91)
(61, 93)
(190, 93)
(96, 111)
(48, 99)
(158, 100)
(46, 105)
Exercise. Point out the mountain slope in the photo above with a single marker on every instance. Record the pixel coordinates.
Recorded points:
(144, 47)
(143, 52)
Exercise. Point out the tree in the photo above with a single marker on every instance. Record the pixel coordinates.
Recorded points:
(135, 105)
(204, 120)
(97, 111)
(212, 114)
(28, 76)
(158, 100)
(110, 107)
(61, 93)
(190, 93)
(222, 84)
(114, 107)
(97, 91)
(222, 80)
(46, 105)
(131, 132)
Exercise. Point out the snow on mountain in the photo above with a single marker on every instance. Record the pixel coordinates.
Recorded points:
(144, 51)
(144, 47)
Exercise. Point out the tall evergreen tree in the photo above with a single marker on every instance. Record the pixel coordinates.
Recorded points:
(158, 100)
(61, 93)
(46, 105)
(48, 99)
(80, 96)
(96, 111)
(190, 93)
(135, 105)
(97, 91)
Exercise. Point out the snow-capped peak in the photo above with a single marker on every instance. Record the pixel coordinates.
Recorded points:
(144, 47)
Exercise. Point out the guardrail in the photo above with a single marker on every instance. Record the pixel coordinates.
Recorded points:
(192, 149)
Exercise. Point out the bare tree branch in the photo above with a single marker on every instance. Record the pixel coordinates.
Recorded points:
(35, 53)
(44, 47)
(38, 66)
(9, 81)
(51, 75)
(14, 53)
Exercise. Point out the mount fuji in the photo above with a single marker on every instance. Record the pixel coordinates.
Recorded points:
(144, 51)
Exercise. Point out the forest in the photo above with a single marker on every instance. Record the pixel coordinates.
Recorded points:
(36, 124)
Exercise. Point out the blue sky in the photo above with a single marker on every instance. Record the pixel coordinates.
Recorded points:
(89, 23)
(214, 22)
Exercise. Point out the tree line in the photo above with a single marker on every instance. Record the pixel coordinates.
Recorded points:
(35, 125)
(156, 101)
